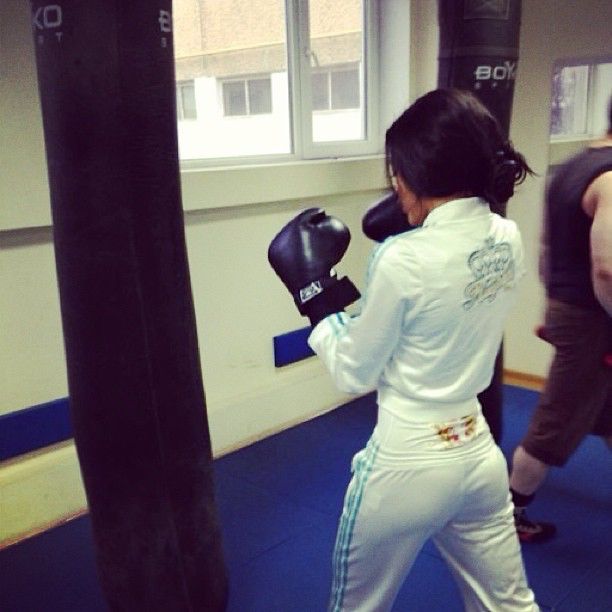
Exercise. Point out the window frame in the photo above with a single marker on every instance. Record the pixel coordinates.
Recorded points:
(328, 72)
(245, 80)
(180, 100)
(592, 84)
(298, 33)
(300, 113)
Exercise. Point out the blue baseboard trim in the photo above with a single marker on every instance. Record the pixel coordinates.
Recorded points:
(32, 428)
(292, 347)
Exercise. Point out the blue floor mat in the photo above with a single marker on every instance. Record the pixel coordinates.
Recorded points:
(279, 502)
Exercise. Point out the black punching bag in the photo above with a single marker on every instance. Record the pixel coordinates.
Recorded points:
(106, 82)
(479, 42)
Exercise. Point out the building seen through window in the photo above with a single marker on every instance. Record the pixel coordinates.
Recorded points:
(247, 96)
(335, 89)
(237, 93)
(185, 100)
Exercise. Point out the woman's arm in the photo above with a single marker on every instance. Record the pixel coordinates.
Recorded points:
(357, 349)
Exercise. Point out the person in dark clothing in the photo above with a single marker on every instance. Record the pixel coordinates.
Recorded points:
(576, 268)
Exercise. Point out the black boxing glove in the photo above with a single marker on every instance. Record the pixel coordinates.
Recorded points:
(385, 218)
(303, 255)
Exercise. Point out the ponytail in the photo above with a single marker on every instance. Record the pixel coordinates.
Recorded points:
(509, 169)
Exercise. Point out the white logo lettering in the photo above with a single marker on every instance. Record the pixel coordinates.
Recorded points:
(482, 73)
(310, 291)
(502, 72)
(47, 17)
(499, 73)
(165, 21)
(511, 70)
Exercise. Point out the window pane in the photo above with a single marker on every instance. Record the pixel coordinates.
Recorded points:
(336, 37)
(221, 46)
(234, 98)
(345, 88)
(569, 101)
(320, 91)
(187, 100)
(260, 96)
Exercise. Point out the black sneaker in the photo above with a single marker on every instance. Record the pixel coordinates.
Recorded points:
(532, 531)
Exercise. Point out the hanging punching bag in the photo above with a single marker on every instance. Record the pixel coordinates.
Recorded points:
(106, 83)
(479, 44)
(479, 41)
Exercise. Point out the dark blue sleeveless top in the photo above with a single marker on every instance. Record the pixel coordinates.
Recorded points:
(567, 228)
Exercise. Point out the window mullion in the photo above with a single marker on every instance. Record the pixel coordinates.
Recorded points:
(590, 127)
(369, 65)
(371, 71)
(301, 87)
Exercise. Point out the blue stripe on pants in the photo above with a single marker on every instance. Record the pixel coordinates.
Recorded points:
(363, 468)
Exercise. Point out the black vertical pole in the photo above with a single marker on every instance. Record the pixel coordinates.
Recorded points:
(106, 83)
(479, 43)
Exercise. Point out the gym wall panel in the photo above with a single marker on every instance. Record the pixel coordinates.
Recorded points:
(550, 30)
(424, 44)
(213, 188)
(240, 303)
(32, 365)
(24, 189)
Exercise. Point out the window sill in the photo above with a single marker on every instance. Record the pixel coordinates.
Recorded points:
(216, 187)
(562, 149)
(222, 187)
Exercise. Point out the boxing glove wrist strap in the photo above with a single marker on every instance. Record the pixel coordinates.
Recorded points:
(325, 296)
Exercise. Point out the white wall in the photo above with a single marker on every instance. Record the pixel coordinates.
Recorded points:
(241, 304)
(24, 190)
(232, 214)
(550, 30)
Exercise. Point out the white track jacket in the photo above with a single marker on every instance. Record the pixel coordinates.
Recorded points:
(432, 314)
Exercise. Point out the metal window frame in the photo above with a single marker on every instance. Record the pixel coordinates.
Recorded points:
(300, 114)
(301, 93)
(591, 63)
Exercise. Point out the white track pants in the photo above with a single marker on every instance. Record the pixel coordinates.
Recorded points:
(459, 498)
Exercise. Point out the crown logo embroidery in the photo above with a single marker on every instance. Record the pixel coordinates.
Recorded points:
(493, 269)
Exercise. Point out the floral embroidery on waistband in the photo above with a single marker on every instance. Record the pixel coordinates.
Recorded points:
(457, 432)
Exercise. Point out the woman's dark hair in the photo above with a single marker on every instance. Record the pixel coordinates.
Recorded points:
(448, 143)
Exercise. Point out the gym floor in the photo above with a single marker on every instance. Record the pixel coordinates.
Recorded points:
(279, 502)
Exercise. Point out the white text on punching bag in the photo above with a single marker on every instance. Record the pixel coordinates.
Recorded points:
(48, 17)
(165, 25)
(502, 72)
